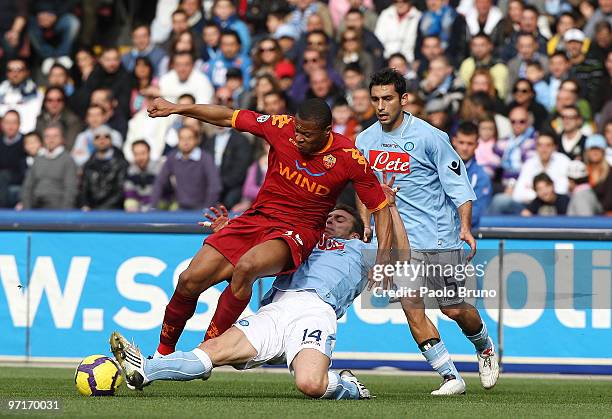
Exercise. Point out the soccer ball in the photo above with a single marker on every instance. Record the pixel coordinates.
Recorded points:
(98, 375)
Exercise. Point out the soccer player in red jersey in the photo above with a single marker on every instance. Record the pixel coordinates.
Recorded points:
(308, 167)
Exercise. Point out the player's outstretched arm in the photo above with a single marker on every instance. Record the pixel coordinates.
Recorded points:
(366, 216)
(384, 234)
(401, 244)
(212, 114)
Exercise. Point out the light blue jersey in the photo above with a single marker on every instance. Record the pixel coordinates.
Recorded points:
(337, 270)
(432, 179)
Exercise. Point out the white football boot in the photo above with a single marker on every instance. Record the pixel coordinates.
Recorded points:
(364, 393)
(450, 386)
(488, 366)
(131, 360)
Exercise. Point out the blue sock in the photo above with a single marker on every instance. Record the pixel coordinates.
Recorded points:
(481, 339)
(178, 366)
(439, 359)
(339, 389)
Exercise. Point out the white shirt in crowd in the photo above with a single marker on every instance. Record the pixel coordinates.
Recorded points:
(398, 35)
(197, 84)
(556, 169)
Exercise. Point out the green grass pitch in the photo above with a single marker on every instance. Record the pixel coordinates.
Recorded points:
(267, 395)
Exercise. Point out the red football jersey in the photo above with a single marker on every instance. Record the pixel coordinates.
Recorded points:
(300, 189)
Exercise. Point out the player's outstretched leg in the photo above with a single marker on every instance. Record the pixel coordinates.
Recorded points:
(433, 349)
(207, 268)
(265, 259)
(475, 330)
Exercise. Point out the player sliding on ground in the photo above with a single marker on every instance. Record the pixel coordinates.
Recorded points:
(296, 324)
(436, 206)
(308, 167)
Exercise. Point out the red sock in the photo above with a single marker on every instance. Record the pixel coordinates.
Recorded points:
(178, 311)
(229, 308)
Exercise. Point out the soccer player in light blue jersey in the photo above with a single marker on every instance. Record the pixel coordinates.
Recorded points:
(296, 324)
(435, 204)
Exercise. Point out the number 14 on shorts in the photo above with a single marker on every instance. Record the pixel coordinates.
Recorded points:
(315, 334)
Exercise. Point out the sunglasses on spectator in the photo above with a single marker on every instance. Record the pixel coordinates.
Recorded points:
(316, 42)
(575, 116)
(522, 90)
(272, 49)
(311, 60)
(102, 136)
(401, 1)
(518, 121)
(54, 99)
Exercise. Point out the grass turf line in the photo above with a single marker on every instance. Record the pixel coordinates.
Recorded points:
(246, 395)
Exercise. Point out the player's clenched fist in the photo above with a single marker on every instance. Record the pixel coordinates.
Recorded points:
(160, 107)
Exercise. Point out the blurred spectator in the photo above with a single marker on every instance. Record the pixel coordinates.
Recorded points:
(211, 36)
(84, 144)
(556, 43)
(547, 201)
(144, 85)
(224, 15)
(546, 160)
(313, 60)
(535, 74)
(465, 143)
(53, 28)
(321, 86)
(397, 28)
(353, 78)
(264, 84)
(19, 92)
(105, 99)
(482, 82)
(351, 51)
(33, 146)
(196, 183)
(607, 131)
(142, 47)
(443, 21)
(184, 78)
(104, 174)
(484, 19)
(438, 114)
(600, 175)
(583, 201)
(85, 64)
(268, 57)
(523, 95)
(256, 174)
(54, 111)
(509, 25)
(363, 109)
(341, 9)
(602, 42)
(12, 24)
(51, 182)
(287, 37)
(572, 140)
(481, 57)
(528, 25)
(441, 85)
(527, 51)
(232, 156)
(138, 186)
(559, 66)
(568, 96)
(179, 25)
(230, 56)
(304, 8)
(343, 120)
(195, 14)
(431, 48)
(315, 39)
(275, 103)
(12, 160)
(588, 71)
(183, 42)
(414, 105)
(59, 77)
(357, 19)
(487, 139)
(604, 11)
(399, 63)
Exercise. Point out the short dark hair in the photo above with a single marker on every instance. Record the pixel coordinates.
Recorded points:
(573, 108)
(141, 142)
(531, 8)
(189, 96)
(526, 35)
(548, 133)
(559, 53)
(358, 226)
(12, 111)
(388, 76)
(354, 10)
(231, 32)
(141, 25)
(468, 128)
(317, 110)
(353, 67)
(542, 177)
(483, 36)
(397, 55)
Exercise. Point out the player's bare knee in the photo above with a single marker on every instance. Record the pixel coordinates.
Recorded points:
(311, 386)
(453, 312)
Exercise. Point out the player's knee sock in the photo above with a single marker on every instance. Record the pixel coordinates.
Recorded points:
(481, 339)
(179, 366)
(229, 308)
(439, 358)
(178, 311)
(338, 389)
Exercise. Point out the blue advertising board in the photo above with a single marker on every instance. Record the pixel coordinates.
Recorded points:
(67, 291)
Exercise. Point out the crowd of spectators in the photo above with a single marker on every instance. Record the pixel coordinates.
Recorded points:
(522, 87)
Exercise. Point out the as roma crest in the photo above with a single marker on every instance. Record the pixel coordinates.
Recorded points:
(329, 161)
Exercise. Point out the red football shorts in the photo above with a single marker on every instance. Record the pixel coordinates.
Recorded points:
(252, 228)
